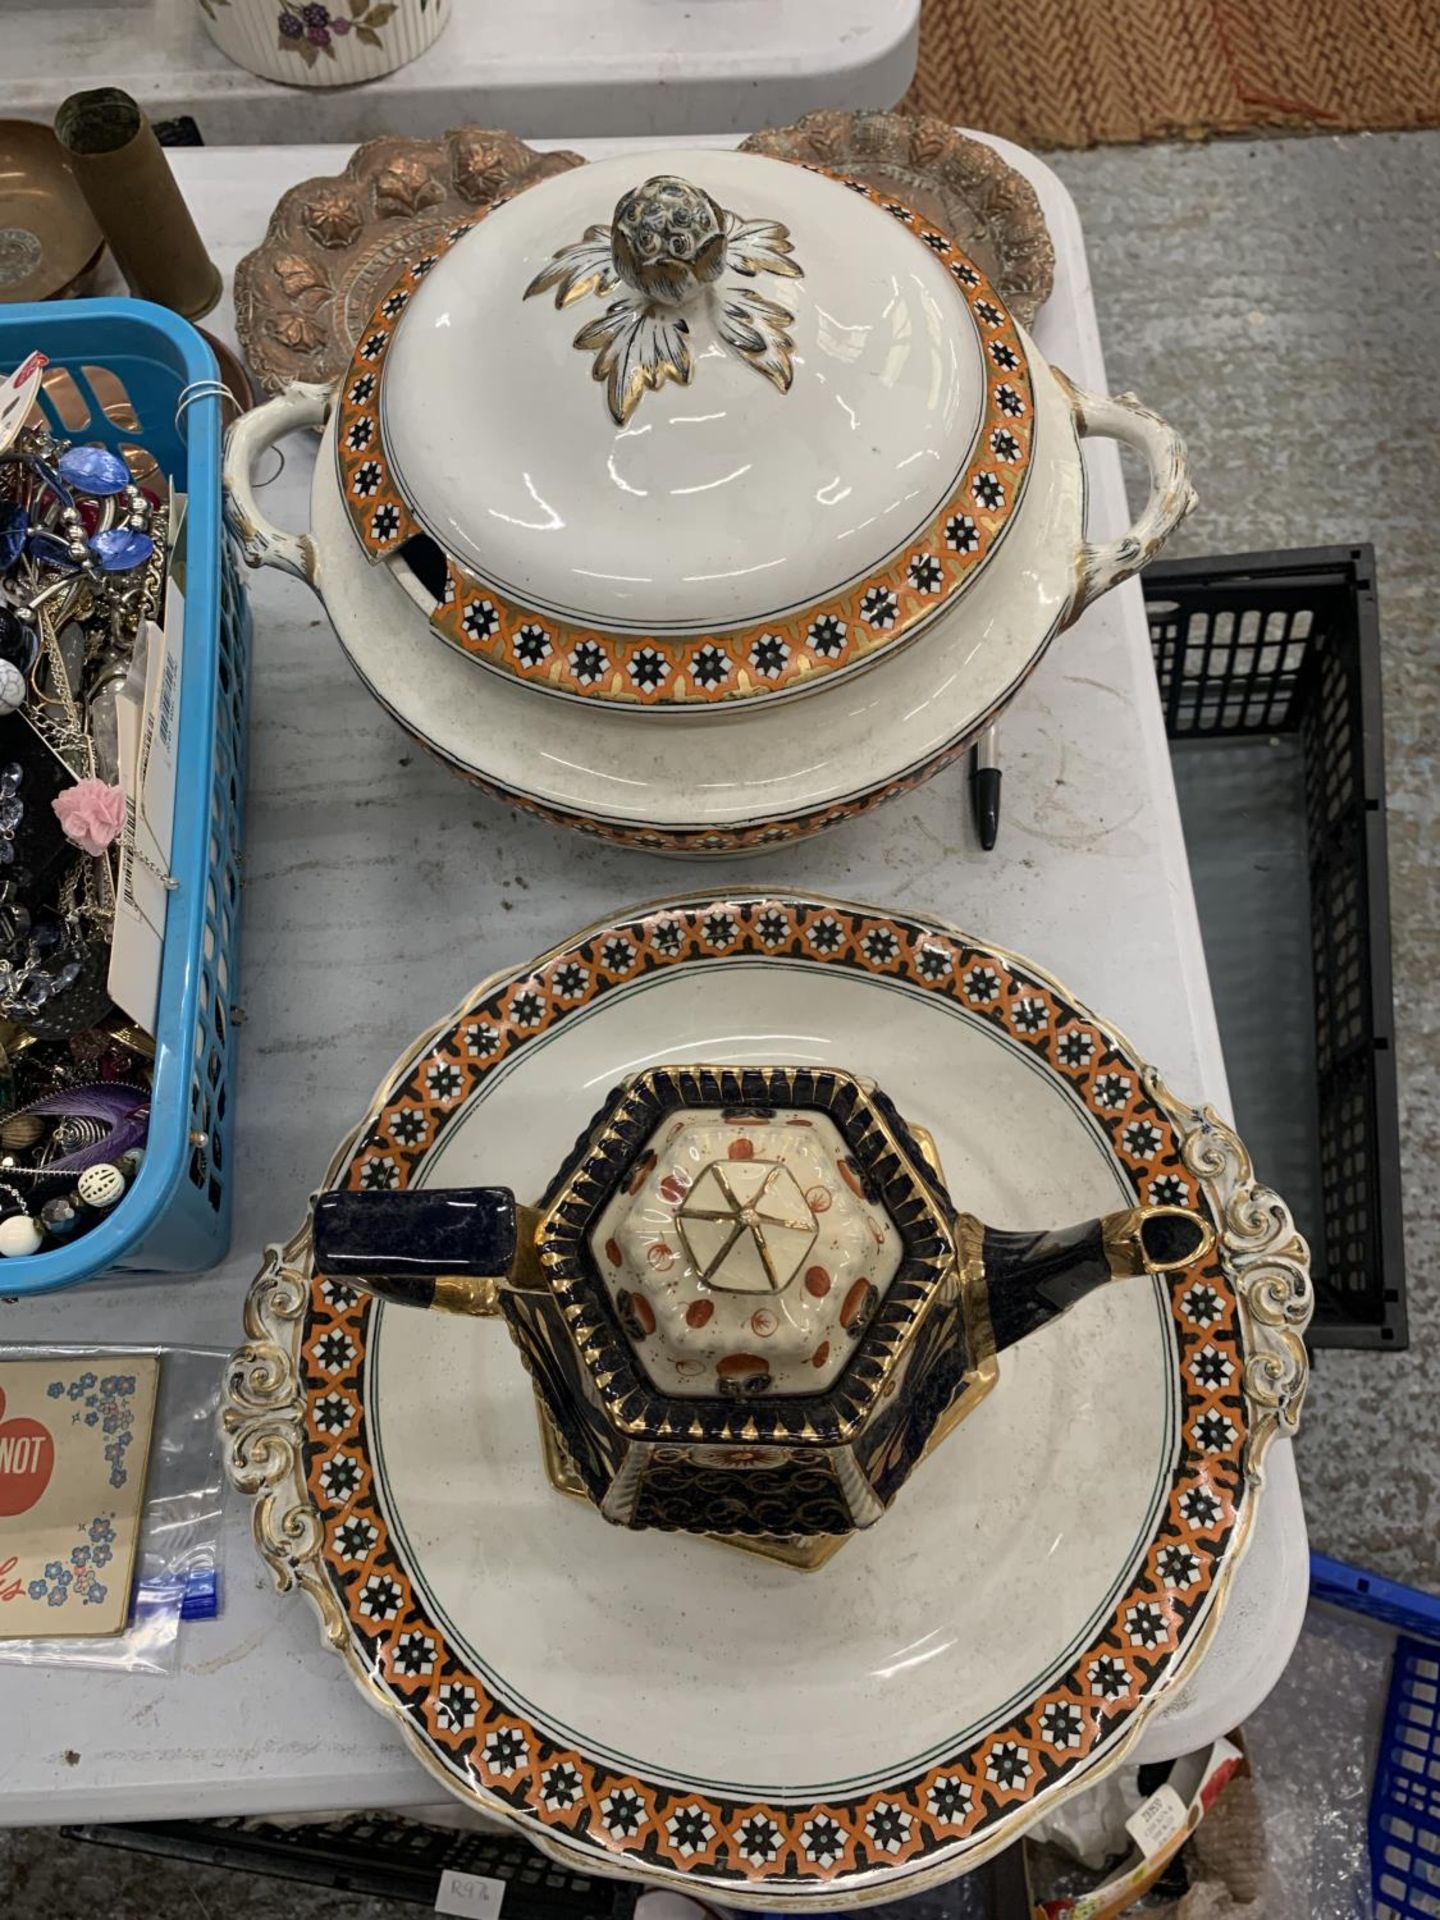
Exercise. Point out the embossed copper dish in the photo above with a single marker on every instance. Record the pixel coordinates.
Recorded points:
(335, 244)
(959, 184)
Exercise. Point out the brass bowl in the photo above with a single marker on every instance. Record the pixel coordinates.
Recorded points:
(48, 237)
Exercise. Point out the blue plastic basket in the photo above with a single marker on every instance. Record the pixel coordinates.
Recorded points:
(176, 1216)
(1405, 1800)
(1407, 1609)
(1404, 1826)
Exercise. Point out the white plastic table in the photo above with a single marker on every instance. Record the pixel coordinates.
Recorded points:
(379, 889)
(540, 67)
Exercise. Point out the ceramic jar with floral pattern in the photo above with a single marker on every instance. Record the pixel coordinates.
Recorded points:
(312, 44)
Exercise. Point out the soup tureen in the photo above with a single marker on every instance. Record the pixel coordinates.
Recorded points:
(680, 438)
(747, 1302)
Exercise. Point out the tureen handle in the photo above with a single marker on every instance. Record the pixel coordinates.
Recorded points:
(456, 1249)
(301, 404)
(1105, 563)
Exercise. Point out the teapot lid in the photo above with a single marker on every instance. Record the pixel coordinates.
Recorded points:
(744, 1253)
(689, 428)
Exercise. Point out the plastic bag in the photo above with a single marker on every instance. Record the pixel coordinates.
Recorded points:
(177, 1570)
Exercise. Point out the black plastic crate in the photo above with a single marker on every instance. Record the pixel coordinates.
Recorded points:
(381, 1854)
(1269, 672)
(388, 1856)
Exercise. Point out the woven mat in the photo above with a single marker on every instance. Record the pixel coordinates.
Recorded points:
(1081, 73)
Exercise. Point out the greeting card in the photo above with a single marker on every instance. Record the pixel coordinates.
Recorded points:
(74, 1442)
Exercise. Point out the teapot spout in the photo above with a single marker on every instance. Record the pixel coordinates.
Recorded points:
(1032, 1278)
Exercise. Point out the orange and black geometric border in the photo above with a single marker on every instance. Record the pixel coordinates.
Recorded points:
(484, 1740)
(775, 656)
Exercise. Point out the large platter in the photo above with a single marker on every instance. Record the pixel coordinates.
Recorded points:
(656, 1706)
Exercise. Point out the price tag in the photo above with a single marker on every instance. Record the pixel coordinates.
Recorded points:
(470, 1895)
(147, 712)
(17, 396)
(1158, 1822)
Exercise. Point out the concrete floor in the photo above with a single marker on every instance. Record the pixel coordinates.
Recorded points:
(1277, 301)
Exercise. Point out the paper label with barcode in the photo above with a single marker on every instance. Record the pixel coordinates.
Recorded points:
(471, 1895)
(147, 725)
(1156, 1822)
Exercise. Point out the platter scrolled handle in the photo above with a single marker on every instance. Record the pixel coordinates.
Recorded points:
(302, 404)
(1105, 563)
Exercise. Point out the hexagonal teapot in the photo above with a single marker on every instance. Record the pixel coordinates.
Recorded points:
(748, 1304)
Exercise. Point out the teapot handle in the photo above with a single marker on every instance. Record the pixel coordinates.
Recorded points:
(1032, 1278)
(1105, 563)
(455, 1249)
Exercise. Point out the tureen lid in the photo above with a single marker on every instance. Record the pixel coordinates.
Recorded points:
(688, 428)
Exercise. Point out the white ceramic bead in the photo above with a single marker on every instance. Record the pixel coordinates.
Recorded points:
(19, 1234)
(12, 687)
(100, 1186)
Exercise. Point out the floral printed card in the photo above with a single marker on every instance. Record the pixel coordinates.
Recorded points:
(74, 1441)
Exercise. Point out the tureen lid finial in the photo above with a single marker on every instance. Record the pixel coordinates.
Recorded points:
(667, 239)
